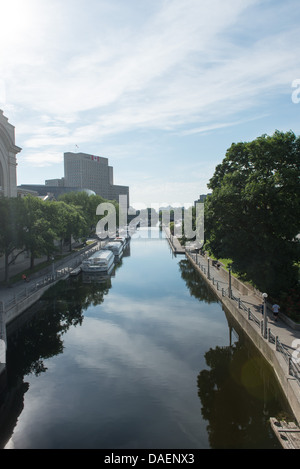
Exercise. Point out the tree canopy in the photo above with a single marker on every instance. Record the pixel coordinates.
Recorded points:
(36, 226)
(253, 213)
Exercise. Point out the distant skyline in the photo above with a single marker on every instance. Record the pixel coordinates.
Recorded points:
(160, 87)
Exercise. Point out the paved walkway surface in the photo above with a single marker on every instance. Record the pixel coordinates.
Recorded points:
(252, 300)
(174, 243)
(285, 333)
(7, 293)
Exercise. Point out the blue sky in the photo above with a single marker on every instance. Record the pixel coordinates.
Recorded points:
(160, 87)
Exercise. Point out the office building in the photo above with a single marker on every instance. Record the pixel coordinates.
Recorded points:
(83, 172)
(94, 173)
(202, 199)
(55, 182)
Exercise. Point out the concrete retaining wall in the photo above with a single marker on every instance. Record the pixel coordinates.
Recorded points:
(241, 287)
(21, 306)
(12, 312)
(275, 359)
(288, 384)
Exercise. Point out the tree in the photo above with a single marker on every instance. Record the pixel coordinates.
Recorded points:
(69, 223)
(39, 235)
(82, 202)
(253, 214)
(50, 234)
(87, 206)
(11, 231)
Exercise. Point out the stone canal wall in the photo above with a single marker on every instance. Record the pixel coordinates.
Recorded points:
(16, 300)
(245, 307)
(21, 304)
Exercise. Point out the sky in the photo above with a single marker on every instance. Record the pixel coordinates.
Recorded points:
(161, 88)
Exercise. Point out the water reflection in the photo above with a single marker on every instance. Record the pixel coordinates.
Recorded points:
(198, 288)
(11, 406)
(41, 335)
(38, 335)
(238, 396)
(153, 362)
(97, 278)
(238, 390)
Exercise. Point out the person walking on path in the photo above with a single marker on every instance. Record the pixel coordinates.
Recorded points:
(275, 309)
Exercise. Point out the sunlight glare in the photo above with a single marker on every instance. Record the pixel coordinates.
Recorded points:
(16, 19)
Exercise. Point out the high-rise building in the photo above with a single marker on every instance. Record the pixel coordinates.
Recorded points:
(83, 172)
(92, 172)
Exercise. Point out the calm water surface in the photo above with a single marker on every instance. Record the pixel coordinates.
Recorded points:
(146, 359)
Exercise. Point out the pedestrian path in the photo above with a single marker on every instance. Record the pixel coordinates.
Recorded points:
(176, 247)
(252, 300)
(10, 294)
(249, 299)
(278, 342)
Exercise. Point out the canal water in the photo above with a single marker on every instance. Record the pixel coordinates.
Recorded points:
(145, 359)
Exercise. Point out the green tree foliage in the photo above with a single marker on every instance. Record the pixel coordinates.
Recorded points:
(82, 202)
(253, 214)
(33, 225)
(11, 231)
(39, 233)
(87, 205)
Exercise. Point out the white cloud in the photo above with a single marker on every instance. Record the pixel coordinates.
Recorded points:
(125, 68)
(43, 159)
(165, 192)
(152, 83)
(83, 76)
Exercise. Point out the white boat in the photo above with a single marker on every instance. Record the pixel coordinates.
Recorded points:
(119, 239)
(98, 277)
(115, 247)
(100, 261)
(75, 272)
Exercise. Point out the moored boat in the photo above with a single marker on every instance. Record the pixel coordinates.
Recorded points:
(120, 239)
(98, 277)
(100, 261)
(75, 272)
(115, 247)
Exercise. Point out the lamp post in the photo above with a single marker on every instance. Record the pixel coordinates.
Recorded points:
(208, 275)
(229, 292)
(265, 296)
(53, 274)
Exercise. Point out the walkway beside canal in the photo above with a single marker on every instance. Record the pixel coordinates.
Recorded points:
(173, 242)
(279, 345)
(21, 295)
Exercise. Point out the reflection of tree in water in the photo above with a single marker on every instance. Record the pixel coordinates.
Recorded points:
(40, 337)
(238, 392)
(238, 396)
(196, 285)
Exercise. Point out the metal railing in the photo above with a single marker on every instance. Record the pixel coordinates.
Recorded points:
(48, 279)
(293, 367)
